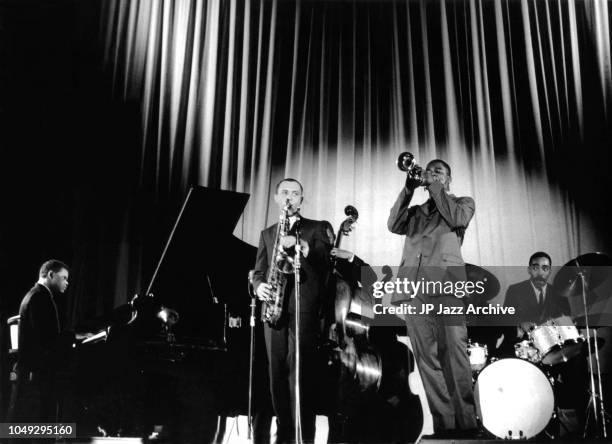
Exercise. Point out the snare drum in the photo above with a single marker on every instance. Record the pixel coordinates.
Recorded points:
(478, 356)
(514, 399)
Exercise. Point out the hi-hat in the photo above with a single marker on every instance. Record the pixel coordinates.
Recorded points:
(593, 266)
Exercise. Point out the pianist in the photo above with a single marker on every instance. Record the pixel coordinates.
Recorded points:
(33, 398)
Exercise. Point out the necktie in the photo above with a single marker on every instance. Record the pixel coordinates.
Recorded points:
(541, 299)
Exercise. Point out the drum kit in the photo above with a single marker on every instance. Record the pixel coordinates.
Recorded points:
(554, 342)
(514, 396)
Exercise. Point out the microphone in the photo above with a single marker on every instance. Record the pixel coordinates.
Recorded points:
(253, 298)
(250, 278)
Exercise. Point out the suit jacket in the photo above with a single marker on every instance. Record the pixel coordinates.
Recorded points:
(315, 267)
(522, 297)
(39, 331)
(433, 236)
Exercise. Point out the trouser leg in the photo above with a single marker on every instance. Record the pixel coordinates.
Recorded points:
(277, 348)
(309, 325)
(457, 371)
(262, 402)
(423, 332)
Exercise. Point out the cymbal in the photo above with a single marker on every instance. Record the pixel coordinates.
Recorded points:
(596, 320)
(591, 265)
(475, 273)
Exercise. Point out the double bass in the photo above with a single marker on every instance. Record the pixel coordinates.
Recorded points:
(373, 364)
(348, 332)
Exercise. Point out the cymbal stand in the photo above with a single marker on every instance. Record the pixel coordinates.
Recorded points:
(296, 269)
(251, 356)
(602, 410)
(596, 394)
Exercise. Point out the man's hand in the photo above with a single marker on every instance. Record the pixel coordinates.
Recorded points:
(342, 254)
(412, 183)
(525, 327)
(264, 291)
(287, 241)
(305, 248)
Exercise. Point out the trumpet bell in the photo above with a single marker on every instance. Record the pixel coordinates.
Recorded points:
(405, 161)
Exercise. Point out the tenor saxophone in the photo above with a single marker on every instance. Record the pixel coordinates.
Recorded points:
(280, 266)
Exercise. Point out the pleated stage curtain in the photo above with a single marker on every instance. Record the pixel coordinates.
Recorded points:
(236, 95)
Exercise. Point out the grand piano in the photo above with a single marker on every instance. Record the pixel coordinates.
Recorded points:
(146, 369)
(188, 375)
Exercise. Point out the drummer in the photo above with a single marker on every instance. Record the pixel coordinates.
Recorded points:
(535, 300)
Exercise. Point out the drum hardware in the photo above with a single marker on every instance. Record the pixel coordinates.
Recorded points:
(576, 278)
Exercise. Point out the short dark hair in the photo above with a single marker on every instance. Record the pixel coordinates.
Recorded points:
(52, 265)
(446, 165)
(289, 179)
(539, 254)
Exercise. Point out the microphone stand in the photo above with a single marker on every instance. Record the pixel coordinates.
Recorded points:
(251, 356)
(296, 269)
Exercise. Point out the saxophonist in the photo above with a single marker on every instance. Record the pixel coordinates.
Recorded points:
(315, 246)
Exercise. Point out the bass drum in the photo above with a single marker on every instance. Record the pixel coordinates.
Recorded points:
(514, 399)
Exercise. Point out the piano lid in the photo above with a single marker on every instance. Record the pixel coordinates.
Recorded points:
(202, 264)
(207, 215)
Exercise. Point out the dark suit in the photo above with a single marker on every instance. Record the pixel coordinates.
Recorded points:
(434, 233)
(523, 298)
(280, 339)
(33, 397)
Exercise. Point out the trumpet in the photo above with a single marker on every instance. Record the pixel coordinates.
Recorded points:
(405, 162)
